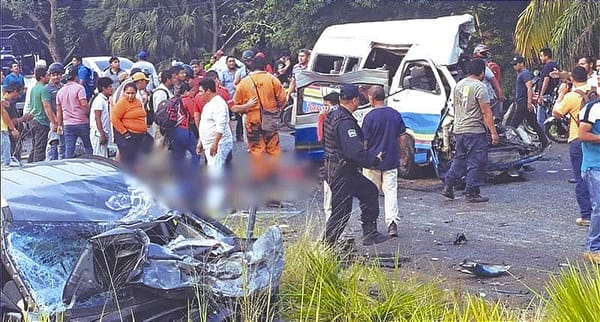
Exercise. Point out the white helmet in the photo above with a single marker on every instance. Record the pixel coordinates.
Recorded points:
(481, 50)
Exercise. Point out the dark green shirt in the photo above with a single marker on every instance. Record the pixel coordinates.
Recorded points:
(39, 94)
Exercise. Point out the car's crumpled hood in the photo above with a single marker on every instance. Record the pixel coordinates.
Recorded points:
(66, 221)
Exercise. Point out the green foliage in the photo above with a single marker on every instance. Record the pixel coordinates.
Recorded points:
(322, 288)
(66, 30)
(574, 294)
(569, 27)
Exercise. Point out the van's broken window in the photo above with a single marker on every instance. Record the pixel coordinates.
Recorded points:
(329, 64)
(420, 76)
(352, 65)
(386, 59)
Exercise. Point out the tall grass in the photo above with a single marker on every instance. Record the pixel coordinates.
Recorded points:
(574, 294)
(318, 286)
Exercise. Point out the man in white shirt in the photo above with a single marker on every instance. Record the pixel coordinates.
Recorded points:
(592, 81)
(100, 126)
(215, 141)
(161, 93)
(215, 135)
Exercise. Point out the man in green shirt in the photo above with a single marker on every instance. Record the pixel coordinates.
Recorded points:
(43, 117)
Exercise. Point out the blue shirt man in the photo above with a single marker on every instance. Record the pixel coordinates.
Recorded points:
(589, 135)
(83, 74)
(382, 128)
(15, 77)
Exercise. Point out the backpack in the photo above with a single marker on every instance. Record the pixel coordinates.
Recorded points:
(92, 80)
(495, 68)
(170, 113)
(588, 96)
(150, 113)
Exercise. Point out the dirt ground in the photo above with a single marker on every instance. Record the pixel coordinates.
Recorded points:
(529, 224)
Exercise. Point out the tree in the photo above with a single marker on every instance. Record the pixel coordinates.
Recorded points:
(169, 28)
(569, 27)
(43, 15)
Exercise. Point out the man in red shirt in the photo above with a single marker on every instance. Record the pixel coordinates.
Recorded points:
(221, 91)
(183, 137)
(198, 75)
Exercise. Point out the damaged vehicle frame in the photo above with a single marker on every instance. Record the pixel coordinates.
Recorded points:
(421, 62)
(83, 241)
(507, 157)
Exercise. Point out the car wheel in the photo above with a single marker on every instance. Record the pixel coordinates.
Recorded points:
(408, 168)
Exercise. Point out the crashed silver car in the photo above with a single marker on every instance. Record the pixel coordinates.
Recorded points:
(82, 240)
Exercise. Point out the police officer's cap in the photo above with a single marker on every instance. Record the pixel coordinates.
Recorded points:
(349, 92)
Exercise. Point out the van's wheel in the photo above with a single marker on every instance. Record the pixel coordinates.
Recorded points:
(408, 168)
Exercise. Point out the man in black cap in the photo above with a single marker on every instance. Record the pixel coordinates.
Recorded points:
(247, 57)
(345, 153)
(524, 108)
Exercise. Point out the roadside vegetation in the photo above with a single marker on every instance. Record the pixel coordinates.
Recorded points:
(320, 285)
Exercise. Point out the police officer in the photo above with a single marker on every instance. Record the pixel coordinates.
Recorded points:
(344, 155)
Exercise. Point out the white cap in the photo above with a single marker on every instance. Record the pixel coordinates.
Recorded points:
(41, 63)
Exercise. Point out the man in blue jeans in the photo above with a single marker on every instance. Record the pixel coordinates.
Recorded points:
(72, 112)
(569, 103)
(589, 135)
(472, 115)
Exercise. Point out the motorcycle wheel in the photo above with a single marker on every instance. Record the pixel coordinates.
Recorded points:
(556, 131)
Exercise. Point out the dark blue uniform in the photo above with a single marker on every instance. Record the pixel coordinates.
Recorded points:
(345, 153)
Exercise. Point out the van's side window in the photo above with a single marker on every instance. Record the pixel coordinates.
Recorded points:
(329, 64)
(352, 65)
(420, 76)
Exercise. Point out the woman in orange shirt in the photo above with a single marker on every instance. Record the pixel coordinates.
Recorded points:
(128, 118)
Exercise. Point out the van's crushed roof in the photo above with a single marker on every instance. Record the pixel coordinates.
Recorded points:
(440, 38)
(363, 76)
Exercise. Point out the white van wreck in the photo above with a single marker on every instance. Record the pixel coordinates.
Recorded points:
(423, 59)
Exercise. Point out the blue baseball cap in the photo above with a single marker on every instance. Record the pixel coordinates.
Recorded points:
(142, 54)
(349, 92)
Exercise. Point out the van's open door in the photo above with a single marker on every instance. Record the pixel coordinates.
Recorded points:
(418, 93)
(309, 102)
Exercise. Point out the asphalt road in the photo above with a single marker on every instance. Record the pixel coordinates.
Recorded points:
(529, 224)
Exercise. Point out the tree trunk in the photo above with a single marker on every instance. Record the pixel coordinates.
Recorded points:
(50, 35)
(52, 43)
(215, 30)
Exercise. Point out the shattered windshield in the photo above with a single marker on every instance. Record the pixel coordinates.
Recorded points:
(44, 252)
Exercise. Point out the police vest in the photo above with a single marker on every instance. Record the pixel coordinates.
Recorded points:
(333, 148)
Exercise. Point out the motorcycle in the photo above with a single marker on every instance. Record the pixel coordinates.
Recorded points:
(524, 130)
(556, 130)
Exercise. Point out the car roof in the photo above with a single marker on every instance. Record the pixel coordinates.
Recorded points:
(103, 58)
(65, 190)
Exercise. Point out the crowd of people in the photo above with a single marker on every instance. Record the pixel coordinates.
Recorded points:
(75, 111)
(229, 99)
